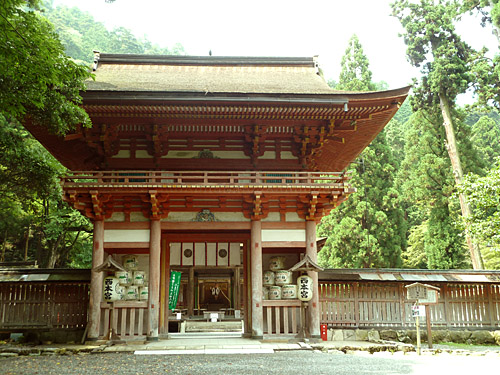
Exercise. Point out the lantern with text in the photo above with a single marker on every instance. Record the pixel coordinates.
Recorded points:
(305, 288)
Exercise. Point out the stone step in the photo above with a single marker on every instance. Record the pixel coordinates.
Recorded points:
(201, 326)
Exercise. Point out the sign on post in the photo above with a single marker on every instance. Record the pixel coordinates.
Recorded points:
(424, 295)
(173, 290)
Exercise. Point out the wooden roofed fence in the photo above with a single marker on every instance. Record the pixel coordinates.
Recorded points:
(43, 299)
(366, 298)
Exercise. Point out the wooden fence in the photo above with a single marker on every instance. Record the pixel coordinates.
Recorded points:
(349, 304)
(43, 305)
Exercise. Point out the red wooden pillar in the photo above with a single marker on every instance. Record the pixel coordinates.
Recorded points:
(256, 275)
(311, 250)
(96, 282)
(154, 279)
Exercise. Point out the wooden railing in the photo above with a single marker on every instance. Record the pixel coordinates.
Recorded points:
(126, 319)
(281, 317)
(384, 304)
(205, 178)
(43, 305)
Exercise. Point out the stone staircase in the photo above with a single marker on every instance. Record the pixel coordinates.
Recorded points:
(197, 326)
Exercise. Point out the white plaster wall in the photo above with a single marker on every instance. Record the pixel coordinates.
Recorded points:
(137, 216)
(126, 235)
(283, 235)
(293, 216)
(143, 154)
(287, 155)
(268, 155)
(230, 154)
(122, 154)
(273, 216)
(116, 217)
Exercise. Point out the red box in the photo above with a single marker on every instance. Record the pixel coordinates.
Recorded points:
(324, 332)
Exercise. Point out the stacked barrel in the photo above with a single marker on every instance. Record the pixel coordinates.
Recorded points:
(126, 285)
(277, 281)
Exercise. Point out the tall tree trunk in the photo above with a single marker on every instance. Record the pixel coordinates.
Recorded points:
(451, 146)
(27, 243)
(4, 246)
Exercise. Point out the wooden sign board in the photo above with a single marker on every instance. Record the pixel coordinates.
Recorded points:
(423, 293)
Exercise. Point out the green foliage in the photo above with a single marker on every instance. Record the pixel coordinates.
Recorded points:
(427, 186)
(486, 138)
(484, 195)
(368, 229)
(36, 77)
(81, 34)
(430, 31)
(415, 255)
(30, 202)
(355, 74)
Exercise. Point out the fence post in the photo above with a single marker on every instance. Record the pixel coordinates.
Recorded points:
(490, 309)
(402, 305)
(356, 303)
(446, 301)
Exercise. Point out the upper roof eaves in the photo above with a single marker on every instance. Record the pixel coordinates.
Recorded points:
(207, 74)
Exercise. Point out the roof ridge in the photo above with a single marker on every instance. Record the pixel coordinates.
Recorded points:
(206, 60)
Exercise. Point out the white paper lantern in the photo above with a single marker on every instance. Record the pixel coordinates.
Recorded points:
(111, 289)
(305, 288)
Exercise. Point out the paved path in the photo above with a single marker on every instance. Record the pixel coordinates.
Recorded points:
(297, 362)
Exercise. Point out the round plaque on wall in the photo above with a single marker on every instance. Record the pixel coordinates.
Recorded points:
(223, 253)
(188, 253)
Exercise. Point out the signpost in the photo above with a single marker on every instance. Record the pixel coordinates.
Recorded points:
(423, 295)
(173, 292)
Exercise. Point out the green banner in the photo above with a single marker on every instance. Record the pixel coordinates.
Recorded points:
(173, 290)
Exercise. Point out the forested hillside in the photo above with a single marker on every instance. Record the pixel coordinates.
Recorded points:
(410, 208)
(35, 224)
(427, 187)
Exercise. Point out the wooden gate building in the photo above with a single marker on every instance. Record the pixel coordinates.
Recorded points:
(210, 166)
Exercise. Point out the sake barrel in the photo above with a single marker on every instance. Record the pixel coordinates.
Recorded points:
(275, 292)
(132, 293)
(276, 263)
(123, 277)
(121, 290)
(138, 278)
(305, 288)
(283, 277)
(268, 278)
(289, 291)
(111, 289)
(143, 293)
(265, 292)
(130, 262)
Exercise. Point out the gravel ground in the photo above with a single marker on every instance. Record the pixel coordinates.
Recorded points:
(289, 363)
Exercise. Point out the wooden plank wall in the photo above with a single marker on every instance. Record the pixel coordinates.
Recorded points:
(45, 305)
(347, 304)
(281, 317)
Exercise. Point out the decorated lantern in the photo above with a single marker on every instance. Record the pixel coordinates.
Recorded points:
(112, 290)
(305, 288)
